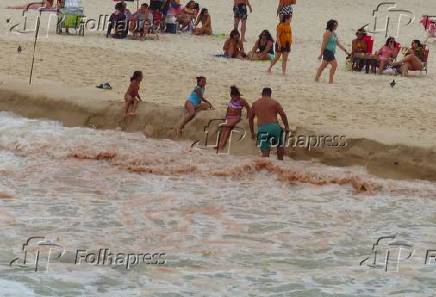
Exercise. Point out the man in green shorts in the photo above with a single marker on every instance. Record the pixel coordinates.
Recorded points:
(269, 131)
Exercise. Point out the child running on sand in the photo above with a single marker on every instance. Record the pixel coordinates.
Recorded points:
(194, 103)
(284, 41)
(233, 116)
(328, 50)
(240, 15)
(132, 97)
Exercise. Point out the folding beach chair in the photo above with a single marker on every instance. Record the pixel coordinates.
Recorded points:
(71, 16)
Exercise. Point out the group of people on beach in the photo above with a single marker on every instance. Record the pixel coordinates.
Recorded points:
(265, 109)
(159, 16)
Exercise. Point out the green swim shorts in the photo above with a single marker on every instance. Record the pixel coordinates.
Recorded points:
(269, 135)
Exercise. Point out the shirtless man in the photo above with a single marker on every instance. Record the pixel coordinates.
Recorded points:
(269, 131)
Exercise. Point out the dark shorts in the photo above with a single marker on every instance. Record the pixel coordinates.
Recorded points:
(283, 49)
(240, 12)
(270, 135)
(328, 56)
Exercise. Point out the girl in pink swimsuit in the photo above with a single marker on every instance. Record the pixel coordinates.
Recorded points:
(233, 116)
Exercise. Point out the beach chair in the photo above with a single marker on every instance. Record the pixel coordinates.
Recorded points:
(71, 16)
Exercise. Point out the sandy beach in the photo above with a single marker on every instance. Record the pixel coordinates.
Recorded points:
(73, 173)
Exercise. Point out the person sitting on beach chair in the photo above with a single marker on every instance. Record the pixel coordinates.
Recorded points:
(233, 47)
(359, 47)
(140, 23)
(206, 23)
(188, 15)
(387, 54)
(414, 59)
(263, 49)
(118, 22)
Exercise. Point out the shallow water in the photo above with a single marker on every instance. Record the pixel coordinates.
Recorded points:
(227, 229)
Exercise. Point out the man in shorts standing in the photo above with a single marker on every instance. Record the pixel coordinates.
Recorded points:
(269, 131)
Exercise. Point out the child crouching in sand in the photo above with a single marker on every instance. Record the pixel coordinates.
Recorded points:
(194, 103)
(132, 97)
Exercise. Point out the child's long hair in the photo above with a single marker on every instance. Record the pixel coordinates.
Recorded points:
(234, 91)
(268, 35)
(136, 75)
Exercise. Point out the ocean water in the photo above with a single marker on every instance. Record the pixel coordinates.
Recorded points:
(223, 225)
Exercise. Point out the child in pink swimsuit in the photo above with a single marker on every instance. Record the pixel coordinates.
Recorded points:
(233, 116)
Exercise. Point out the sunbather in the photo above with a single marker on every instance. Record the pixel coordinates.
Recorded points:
(188, 14)
(233, 47)
(263, 49)
(118, 22)
(413, 58)
(206, 23)
(387, 54)
(359, 47)
(139, 23)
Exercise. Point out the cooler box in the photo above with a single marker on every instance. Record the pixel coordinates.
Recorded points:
(171, 28)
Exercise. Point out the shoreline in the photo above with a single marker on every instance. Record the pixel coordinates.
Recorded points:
(90, 108)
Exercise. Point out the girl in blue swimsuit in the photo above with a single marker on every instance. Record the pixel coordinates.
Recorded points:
(233, 116)
(194, 103)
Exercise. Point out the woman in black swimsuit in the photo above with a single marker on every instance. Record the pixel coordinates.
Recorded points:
(263, 48)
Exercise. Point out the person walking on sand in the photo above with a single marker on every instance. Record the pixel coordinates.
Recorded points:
(194, 103)
(240, 15)
(233, 116)
(283, 44)
(132, 97)
(328, 49)
(269, 132)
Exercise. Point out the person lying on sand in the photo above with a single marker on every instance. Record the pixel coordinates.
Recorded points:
(194, 103)
(269, 131)
(413, 58)
(233, 47)
(233, 116)
(206, 23)
(132, 97)
(263, 49)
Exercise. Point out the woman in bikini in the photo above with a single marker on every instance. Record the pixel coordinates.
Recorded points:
(233, 116)
(206, 23)
(413, 58)
(263, 48)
